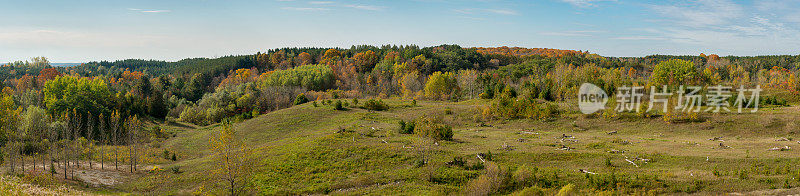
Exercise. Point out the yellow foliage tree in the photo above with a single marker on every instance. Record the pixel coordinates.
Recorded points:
(231, 159)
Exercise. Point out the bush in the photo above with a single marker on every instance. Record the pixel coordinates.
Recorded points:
(300, 99)
(507, 106)
(567, 190)
(375, 105)
(355, 102)
(39, 178)
(428, 127)
(315, 104)
(175, 169)
(338, 105)
(406, 127)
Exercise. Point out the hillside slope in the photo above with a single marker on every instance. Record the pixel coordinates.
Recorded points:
(309, 150)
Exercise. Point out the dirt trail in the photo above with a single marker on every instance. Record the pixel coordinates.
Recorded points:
(94, 176)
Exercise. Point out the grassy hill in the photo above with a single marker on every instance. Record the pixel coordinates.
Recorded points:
(318, 150)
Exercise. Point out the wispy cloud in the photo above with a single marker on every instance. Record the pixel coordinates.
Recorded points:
(725, 25)
(502, 11)
(148, 11)
(320, 2)
(367, 7)
(471, 11)
(584, 3)
(572, 33)
(702, 13)
(305, 8)
(640, 38)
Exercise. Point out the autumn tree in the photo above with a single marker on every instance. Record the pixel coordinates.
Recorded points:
(262, 60)
(365, 61)
(331, 56)
(9, 116)
(231, 159)
(46, 75)
(468, 82)
(442, 86)
(305, 58)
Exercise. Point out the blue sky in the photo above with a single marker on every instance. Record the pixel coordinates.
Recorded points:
(87, 30)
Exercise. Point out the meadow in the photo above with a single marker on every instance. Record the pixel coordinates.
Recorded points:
(318, 150)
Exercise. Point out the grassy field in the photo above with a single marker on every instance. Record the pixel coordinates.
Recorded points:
(318, 150)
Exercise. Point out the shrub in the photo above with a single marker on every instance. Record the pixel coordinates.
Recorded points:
(375, 105)
(406, 127)
(338, 105)
(39, 178)
(567, 190)
(355, 102)
(175, 169)
(428, 127)
(508, 106)
(479, 186)
(534, 190)
(300, 99)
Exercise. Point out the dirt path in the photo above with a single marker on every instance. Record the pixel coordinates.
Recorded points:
(94, 176)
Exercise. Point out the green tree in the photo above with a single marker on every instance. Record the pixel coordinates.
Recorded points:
(195, 88)
(9, 116)
(84, 95)
(675, 72)
(300, 99)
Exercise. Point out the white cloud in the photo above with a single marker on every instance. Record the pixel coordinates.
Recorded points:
(305, 8)
(321, 2)
(471, 11)
(572, 33)
(584, 3)
(502, 11)
(702, 13)
(75, 39)
(640, 38)
(725, 25)
(148, 11)
(366, 7)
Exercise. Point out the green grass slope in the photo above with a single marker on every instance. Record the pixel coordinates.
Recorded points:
(317, 150)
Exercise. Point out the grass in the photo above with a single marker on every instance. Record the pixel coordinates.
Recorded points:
(299, 151)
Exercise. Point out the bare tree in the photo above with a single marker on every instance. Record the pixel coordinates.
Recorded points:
(115, 122)
(90, 137)
(64, 142)
(76, 148)
(102, 130)
(132, 126)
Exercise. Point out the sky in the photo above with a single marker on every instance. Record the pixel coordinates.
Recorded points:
(94, 30)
